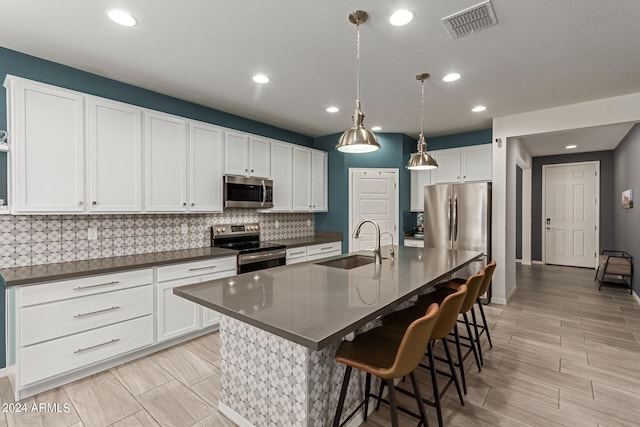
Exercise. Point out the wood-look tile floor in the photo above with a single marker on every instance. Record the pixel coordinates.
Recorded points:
(563, 354)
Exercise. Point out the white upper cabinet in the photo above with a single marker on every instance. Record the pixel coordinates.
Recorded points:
(309, 180)
(419, 179)
(115, 156)
(259, 157)
(47, 148)
(301, 179)
(448, 166)
(282, 176)
(165, 163)
(246, 155)
(464, 164)
(476, 163)
(206, 146)
(319, 181)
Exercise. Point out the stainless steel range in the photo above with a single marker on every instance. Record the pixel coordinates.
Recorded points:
(245, 238)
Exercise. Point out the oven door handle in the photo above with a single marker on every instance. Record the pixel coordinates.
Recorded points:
(265, 256)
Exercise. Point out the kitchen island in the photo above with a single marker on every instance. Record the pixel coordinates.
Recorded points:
(280, 329)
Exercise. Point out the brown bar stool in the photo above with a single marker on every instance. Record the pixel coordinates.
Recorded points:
(449, 309)
(387, 354)
(484, 328)
(473, 284)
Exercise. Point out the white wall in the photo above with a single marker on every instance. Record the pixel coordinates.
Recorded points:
(506, 130)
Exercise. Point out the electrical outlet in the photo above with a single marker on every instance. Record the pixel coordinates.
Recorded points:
(308, 223)
(92, 233)
(277, 224)
(184, 228)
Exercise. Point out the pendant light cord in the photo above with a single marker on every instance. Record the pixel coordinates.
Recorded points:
(422, 109)
(358, 65)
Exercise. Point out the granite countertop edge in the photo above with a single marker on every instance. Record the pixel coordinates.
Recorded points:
(36, 274)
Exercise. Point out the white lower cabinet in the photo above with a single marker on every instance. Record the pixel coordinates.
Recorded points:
(64, 330)
(414, 243)
(175, 315)
(313, 252)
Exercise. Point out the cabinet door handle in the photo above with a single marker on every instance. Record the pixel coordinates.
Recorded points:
(94, 203)
(80, 350)
(79, 288)
(326, 248)
(297, 253)
(251, 170)
(184, 203)
(246, 170)
(96, 312)
(80, 203)
(193, 204)
(203, 268)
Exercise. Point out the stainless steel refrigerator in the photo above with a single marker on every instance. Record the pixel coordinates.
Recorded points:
(458, 216)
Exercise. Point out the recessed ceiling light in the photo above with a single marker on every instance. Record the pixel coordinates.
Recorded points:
(332, 109)
(260, 78)
(451, 77)
(401, 17)
(478, 108)
(569, 147)
(121, 17)
(376, 128)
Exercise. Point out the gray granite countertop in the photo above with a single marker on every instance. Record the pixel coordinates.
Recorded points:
(68, 270)
(317, 239)
(314, 305)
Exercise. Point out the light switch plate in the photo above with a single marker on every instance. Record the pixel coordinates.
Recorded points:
(184, 228)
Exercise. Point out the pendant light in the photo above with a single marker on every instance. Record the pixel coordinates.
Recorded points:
(358, 139)
(422, 160)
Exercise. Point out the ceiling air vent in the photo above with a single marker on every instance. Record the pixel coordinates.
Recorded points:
(470, 20)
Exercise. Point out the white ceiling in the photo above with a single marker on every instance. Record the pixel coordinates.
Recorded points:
(542, 53)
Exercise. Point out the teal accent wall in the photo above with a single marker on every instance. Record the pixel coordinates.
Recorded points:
(465, 139)
(395, 152)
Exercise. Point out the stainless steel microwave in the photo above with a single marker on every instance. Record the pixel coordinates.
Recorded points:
(243, 192)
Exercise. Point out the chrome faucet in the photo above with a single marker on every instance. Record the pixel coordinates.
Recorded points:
(376, 251)
(392, 253)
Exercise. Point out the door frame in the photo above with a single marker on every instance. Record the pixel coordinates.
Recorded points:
(396, 173)
(596, 240)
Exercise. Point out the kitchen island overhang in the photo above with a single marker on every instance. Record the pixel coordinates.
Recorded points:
(280, 329)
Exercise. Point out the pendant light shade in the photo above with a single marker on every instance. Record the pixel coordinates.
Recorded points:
(358, 139)
(422, 160)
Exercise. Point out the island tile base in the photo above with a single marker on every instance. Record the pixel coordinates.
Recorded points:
(270, 381)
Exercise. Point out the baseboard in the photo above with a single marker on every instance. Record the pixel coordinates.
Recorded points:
(513, 291)
(233, 415)
(498, 301)
(3, 372)
(636, 297)
(537, 262)
(518, 261)
(527, 262)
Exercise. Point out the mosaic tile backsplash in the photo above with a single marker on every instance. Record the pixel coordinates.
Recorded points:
(45, 239)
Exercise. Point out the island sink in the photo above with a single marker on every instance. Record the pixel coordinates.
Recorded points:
(349, 262)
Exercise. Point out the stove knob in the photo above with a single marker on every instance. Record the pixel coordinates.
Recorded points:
(218, 230)
(224, 229)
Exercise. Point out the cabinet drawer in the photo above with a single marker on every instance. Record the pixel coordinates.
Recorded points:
(55, 291)
(296, 253)
(42, 361)
(48, 321)
(324, 248)
(323, 255)
(196, 268)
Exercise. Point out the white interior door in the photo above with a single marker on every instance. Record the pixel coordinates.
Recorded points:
(571, 214)
(373, 195)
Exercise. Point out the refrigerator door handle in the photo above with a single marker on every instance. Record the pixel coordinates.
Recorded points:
(455, 218)
(449, 218)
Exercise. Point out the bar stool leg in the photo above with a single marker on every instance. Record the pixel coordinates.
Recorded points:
(460, 364)
(416, 391)
(471, 341)
(484, 321)
(367, 388)
(475, 327)
(343, 394)
(434, 383)
(380, 395)
(393, 405)
(452, 370)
